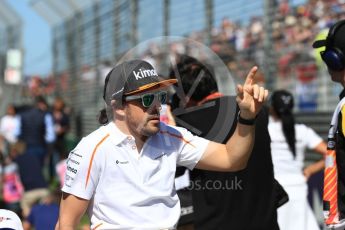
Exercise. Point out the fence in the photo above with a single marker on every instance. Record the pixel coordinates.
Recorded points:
(276, 35)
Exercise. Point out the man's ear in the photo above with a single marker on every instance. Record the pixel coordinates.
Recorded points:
(118, 107)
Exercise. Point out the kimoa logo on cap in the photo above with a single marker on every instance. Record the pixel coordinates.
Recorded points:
(144, 73)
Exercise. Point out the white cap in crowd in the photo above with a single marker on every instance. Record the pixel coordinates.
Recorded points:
(9, 220)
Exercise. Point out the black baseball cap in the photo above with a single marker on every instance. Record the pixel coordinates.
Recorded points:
(132, 77)
(335, 37)
(282, 101)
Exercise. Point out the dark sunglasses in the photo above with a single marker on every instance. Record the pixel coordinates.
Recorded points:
(148, 98)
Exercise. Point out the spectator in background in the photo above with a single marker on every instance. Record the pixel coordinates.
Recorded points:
(44, 215)
(12, 190)
(288, 144)
(30, 171)
(36, 130)
(2, 163)
(9, 124)
(284, 8)
(10, 220)
(61, 127)
(61, 167)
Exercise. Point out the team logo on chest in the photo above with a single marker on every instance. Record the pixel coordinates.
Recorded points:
(121, 162)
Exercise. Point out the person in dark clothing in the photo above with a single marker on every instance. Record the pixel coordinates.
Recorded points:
(61, 127)
(244, 200)
(61, 123)
(35, 186)
(36, 129)
(334, 192)
(44, 215)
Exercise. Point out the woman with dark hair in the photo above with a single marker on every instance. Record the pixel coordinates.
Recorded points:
(288, 144)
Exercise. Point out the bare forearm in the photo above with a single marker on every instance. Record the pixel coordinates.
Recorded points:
(72, 208)
(240, 145)
(64, 226)
(319, 165)
(26, 225)
(316, 167)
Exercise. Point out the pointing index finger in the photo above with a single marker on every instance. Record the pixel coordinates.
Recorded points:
(250, 76)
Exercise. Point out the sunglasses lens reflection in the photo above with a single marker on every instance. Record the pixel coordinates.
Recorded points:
(148, 99)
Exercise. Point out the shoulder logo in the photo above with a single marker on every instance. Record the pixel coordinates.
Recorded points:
(74, 153)
(71, 169)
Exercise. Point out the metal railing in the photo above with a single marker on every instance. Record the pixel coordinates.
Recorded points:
(278, 38)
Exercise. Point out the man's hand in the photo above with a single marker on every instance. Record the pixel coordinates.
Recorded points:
(250, 96)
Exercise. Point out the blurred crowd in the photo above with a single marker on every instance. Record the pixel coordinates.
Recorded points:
(241, 45)
(32, 160)
(292, 31)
